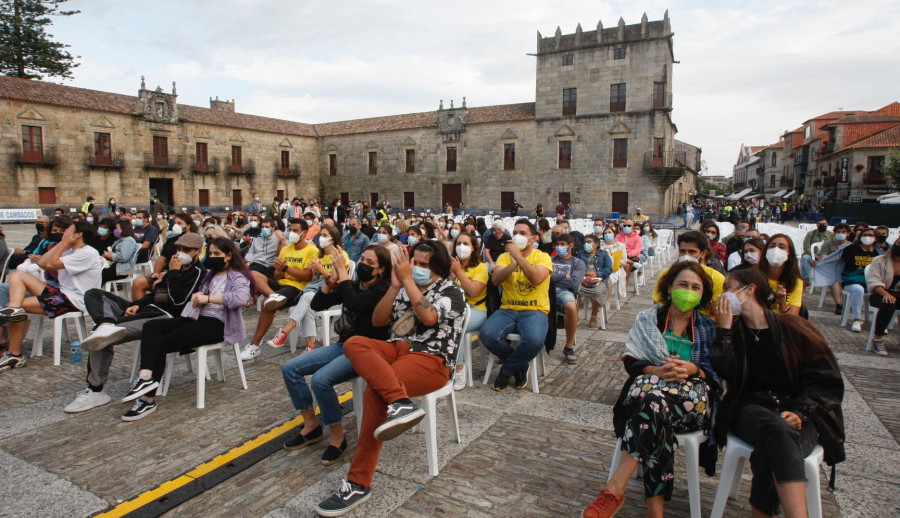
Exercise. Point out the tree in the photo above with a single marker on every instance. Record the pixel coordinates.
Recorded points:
(892, 168)
(26, 50)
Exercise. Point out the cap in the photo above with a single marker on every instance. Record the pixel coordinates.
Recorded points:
(190, 240)
(637, 209)
(90, 198)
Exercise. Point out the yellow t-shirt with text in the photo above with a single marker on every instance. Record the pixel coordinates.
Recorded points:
(477, 273)
(518, 292)
(794, 296)
(297, 259)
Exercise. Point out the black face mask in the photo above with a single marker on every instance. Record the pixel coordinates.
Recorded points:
(881, 238)
(353, 230)
(56, 237)
(364, 272)
(39, 227)
(823, 228)
(215, 264)
(365, 225)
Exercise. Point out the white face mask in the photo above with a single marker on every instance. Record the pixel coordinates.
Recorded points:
(185, 258)
(867, 240)
(293, 238)
(736, 304)
(324, 242)
(254, 224)
(751, 257)
(177, 230)
(520, 241)
(463, 251)
(686, 257)
(776, 256)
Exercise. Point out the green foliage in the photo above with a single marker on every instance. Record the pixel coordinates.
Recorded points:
(892, 168)
(704, 186)
(26, 50)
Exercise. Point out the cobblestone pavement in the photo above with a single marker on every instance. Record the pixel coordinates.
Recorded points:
(522, 454)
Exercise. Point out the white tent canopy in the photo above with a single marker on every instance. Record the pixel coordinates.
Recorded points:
(740, 195)
(778, 194)
(788, 195)
(891, 199)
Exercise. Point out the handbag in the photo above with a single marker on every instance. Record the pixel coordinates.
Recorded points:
(406, 324)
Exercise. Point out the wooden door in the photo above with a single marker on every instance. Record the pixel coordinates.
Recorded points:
(203, 197)
(565, 198)
(373, 199)
(507, 198)
(451, 193)
(236, 199)
(620, 202)
(409, 200)
(345, 199)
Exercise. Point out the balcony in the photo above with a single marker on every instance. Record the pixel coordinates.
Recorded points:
(37, 158)
(617, 106)
(665, 168)
(874, 179)
(163, 163)
(661, 101)
(245, 168)
(111, 161)
(204, 167)
(287, 172)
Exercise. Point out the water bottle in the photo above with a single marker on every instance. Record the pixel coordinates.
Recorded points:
(75, 351)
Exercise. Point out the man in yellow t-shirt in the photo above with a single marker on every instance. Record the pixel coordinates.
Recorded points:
(524, 274)
(694, 246)
(292, 273)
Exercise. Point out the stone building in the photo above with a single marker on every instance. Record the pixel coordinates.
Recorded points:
(599, 135)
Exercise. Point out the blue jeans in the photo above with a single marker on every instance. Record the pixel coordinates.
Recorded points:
(328, 367)
(476, 320)
(531, 326)
(805, 267)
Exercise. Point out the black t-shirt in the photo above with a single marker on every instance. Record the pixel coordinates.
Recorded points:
(766, 369)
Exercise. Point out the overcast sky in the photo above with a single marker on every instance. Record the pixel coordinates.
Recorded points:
(748, 70)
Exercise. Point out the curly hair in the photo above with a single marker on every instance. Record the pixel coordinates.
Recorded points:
(668, 280)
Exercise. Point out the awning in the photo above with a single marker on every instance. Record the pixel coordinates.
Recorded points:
(753, 196)
(788, 195)
(777, 194)
(740, 195)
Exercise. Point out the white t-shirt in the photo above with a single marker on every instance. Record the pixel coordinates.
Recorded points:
(83, 271)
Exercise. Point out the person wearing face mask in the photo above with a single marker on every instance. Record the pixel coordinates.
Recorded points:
(328, 365)
(672, 388)
(780, 266)
(881, 237)
(292, 273)
(838, 242)
(183, 224)
(856, 257)
(312, 224)
(750, 256)
(821, 234)
(256, 206)
(104, 237)
(883, 284)
(633, 247)
(495, 241)
(19, 255)
(354, 241)
(784, 393)
(598, 268)
(567, 276)
(452, 233)
(650, 238)
(735, 242)
(416, 359)
(467, 269)
(119, 321)
(121, 254)
(524, 273)
(414, 236)
(365, 226)
(694, 247)
(385, 237)
(212, 315)
(263, 250)
(616, 251)
(712, 233)
(145, 234)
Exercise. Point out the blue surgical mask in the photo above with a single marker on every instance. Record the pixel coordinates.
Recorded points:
(646, 229)
(454, 233)
(597, 229)
(421, 276)
(103, 232)
(137, 222)
(265, 232)
(589, 247)
(608, 238)
(412, 240)
(626, 229)
(381, 238)
(562, 251)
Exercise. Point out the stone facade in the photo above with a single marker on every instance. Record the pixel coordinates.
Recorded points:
(560, 152)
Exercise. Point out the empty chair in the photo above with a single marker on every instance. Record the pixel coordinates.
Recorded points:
(215, 350)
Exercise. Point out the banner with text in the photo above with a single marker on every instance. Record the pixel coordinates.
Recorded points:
(20, 214)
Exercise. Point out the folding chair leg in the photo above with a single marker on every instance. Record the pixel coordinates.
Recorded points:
(202, 367)
(431, 435)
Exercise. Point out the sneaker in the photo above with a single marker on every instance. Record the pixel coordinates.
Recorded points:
(12, 315)
(249, 352)
(274, 302)
(344, 499)
(592, 322)
(302, 441)
(459, 379)
(102, 337)
(606, 505)
(86, 400)
(140, 410)
(839, 309)
(856, 326)
(279, 340)
(501, 382)
(878, 347)
(140, 387)
(522, 377)
(400, 418)
(9, 361)
(333, 453)
(569, 353)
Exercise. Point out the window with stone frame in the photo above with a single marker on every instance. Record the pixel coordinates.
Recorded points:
(568, 59)
(285, 162)
(160, 151)
(373, 162)
(771, 180)
(565, 154)
(201, 156)
(47, 195)
(410, 160)
(570, 101)
(619, 53)
(620, 152)
(332, 164)
(617, 97)
(451, 159)
(237, 162)
(659, 95)
(509, 157)
(32, 144)
(102, 149)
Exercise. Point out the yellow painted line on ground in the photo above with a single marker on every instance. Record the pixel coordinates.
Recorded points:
(207, 467)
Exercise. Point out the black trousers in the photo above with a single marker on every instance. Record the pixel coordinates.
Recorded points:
(885, 312)
(179, 334)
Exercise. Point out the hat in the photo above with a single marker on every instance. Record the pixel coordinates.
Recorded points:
(190, 240)
(90, 198)
(637, 209)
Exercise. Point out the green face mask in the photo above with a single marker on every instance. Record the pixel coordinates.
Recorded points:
(685, 300)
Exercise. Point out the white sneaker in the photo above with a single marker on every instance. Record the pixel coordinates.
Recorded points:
(102, 337)
(86, 400)
(856, 326)
(459, 379)
(274, 302)
(249, 352)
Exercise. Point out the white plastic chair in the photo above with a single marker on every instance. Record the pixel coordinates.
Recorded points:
(736, 451)
(170, 362)
(4, 273)
(202, 367)
(586, 306)
(691, 443)
(120, 287)
(535, 362)
(467, 340)
(37, 347)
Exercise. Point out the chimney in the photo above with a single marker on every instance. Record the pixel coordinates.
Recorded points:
(216, 104)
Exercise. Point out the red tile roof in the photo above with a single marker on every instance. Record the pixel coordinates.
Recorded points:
(891, 109)
(60, 95)
(863, 118)
(832, 115)
(886, 139)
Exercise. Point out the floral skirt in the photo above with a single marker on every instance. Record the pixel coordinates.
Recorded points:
(658, 410)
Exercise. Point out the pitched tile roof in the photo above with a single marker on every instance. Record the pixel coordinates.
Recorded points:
(886, 139)
(862, 118)
(60, 95)
(891, 109)
(832, 115)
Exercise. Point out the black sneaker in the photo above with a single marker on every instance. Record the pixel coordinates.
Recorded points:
(569, 353)
(140, 387)
(839, 309)
(12, 315)
(302, 441)
(344, 499)
(140, 410)
(9, 361)
(522, 377)
(333, 453)
(501, 382)
(400, 418)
